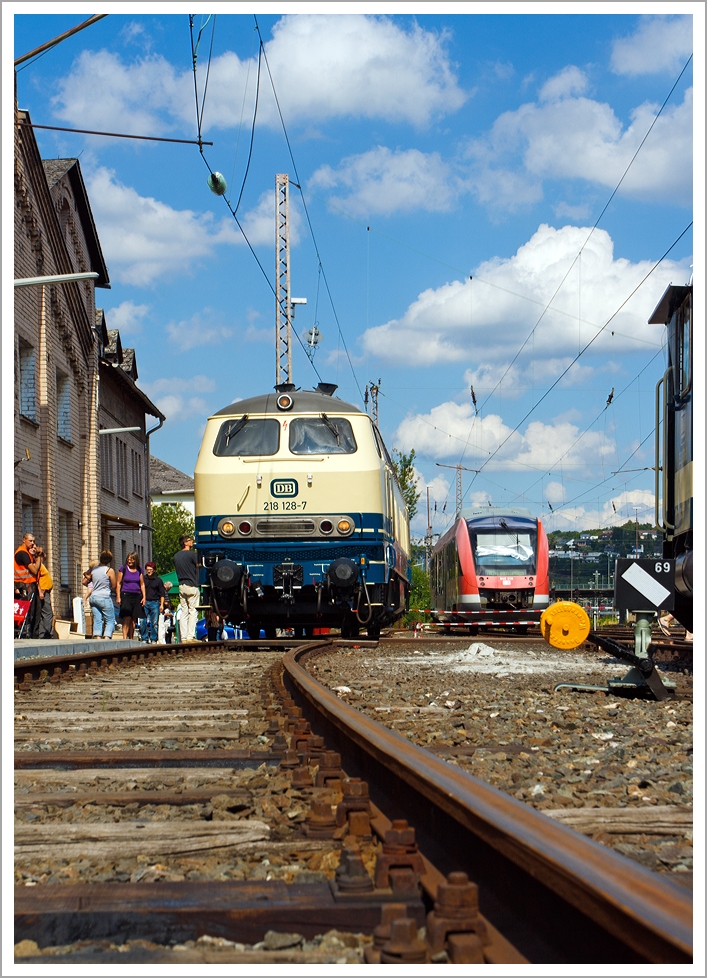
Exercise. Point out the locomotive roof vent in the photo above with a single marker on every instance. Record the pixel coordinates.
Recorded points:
(327, 389)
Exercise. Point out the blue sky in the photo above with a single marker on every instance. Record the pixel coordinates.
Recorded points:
(429, 149)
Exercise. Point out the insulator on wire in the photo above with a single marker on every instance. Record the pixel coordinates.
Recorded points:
(216, 183)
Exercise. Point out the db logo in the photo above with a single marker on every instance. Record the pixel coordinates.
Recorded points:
(283, 488)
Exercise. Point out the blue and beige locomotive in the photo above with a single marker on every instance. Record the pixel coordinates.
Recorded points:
(300, 520)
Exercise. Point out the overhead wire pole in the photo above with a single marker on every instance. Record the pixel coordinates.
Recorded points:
(59, 39)
(374, 391)
(460, 494)
(428, 536)
(283, 306)
(298, 184)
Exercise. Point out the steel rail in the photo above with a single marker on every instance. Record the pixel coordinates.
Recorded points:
(558, 896)
(56, 666)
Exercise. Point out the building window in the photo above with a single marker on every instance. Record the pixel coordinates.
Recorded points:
(107, 470)
(121, 464)
(64, 561)
(28, 518)
(63, 406)
(27, 383)
(111, 545)
(123, 552)
(137, 473)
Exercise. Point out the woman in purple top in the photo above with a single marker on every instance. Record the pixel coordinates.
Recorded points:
(130, 593)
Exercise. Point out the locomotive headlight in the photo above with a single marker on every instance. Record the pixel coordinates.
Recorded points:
(344, 526)
(326, 526)
(284, 402)
(226, 528)
(244, 528)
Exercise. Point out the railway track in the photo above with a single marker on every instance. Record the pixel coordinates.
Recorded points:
(213, 758)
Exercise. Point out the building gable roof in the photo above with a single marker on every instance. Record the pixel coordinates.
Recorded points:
(165, 478)
(129, 363)
(54, 170)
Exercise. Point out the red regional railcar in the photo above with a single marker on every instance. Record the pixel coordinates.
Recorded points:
(490, 568)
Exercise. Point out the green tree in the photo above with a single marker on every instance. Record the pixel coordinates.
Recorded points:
(168, 524)
(404, 466)
(419, 596)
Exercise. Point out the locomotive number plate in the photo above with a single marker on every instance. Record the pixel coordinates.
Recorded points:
(283, 488)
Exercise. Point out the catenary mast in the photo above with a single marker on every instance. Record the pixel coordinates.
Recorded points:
(283, 339)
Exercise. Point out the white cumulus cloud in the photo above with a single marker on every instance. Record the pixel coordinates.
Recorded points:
(178, 397)
(383, 181)
(658, 44)
(259, 222)
(451, 428)
(615, 512)
(127, 317)
(570, 81)
(566, 135)
(145, 239)
(555, 492)
(104, 93)
(199, 330)
(176, 407)
(323, 67)
(496, 310)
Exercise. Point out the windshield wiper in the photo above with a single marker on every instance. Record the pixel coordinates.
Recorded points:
(331, 426)
(235, 428)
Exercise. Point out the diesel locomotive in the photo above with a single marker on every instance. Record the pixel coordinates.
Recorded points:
(673, 444)
(300, 520)
(490, 568)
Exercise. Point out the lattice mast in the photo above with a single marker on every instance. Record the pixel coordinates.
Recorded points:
(460, 494)
(283, 338)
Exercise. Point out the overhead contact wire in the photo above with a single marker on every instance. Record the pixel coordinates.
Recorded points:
(596, 223)
(586, 346)
(590, 426)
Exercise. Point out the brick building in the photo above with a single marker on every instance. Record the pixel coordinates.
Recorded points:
(56, 490)
(124, 455)
(64, 384)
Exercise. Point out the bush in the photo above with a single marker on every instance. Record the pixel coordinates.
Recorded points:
(419, 596)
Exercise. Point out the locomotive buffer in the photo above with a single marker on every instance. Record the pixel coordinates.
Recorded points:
(643, 587)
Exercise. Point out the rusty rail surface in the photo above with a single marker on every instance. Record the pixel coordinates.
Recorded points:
(558, 896)
(54, 668)
(546, 893)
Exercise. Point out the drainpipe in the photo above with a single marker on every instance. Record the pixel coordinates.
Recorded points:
(147, 473)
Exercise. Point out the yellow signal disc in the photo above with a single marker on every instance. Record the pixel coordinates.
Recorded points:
(564, 625)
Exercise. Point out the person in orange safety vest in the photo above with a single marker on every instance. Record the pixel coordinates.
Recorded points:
(26, 566)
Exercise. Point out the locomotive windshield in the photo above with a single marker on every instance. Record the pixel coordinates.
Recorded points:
(321, 436)
(248, 436)
(504, 550)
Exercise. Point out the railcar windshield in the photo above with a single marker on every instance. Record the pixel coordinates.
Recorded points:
(502, 552)
(248, 436)
(321, 436)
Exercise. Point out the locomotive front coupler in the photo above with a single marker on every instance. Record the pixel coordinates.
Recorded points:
(288, 578)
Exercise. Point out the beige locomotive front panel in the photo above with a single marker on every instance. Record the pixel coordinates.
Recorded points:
(290, 488)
